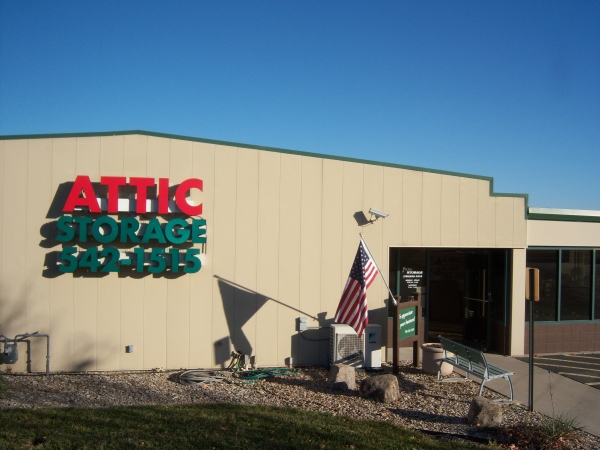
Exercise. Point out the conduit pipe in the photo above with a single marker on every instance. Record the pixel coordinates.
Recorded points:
(23, 338)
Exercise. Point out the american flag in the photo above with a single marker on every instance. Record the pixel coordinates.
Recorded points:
(352, 309)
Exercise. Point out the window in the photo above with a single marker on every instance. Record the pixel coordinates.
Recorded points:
(547, 262)
(413, 264)
(569, 284)
(597, 299)
(576, 285)
(408, 267)
(499, 280)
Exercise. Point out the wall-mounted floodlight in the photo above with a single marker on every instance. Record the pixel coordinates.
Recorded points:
(378, 214)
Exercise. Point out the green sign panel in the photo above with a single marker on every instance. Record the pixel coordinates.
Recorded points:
(408, 322)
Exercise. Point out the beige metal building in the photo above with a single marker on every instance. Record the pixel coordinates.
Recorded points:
(282, 228)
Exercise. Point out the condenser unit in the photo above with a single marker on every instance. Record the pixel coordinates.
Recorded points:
(345, 347)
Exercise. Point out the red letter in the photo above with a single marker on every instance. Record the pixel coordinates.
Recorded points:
(163, 196)
(142, 189)
(113, 184)
(82, 183)
(182, 203)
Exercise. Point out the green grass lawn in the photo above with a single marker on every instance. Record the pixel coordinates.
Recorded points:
(203, 426)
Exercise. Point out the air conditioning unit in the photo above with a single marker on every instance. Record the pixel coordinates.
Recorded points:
(345, 347)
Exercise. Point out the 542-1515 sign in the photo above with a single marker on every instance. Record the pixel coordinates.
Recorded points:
(157, 246)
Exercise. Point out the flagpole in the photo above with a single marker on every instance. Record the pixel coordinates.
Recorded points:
(378, 270)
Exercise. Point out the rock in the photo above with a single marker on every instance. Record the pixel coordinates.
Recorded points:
(484, 412)
(342, 376)
(382, 387)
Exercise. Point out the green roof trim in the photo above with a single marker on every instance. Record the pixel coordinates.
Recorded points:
(563, 215)
(269, 149)
(561, 218)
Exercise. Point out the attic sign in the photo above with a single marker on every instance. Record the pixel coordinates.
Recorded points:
(89, 222)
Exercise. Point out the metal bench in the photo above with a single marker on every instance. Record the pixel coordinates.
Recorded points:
(472, 362)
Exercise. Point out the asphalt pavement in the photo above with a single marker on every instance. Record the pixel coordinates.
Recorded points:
(581, 367)
(554, 393)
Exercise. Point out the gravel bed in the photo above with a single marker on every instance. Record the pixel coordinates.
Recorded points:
(423, 404)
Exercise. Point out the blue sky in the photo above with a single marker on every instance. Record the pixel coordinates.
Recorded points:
(507, 89)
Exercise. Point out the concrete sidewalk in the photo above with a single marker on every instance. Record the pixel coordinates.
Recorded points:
(569, 396)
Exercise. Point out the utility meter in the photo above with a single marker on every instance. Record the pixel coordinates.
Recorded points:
(10, 354)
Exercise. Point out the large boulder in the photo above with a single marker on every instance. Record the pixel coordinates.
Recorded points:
(484, 412)
(383, 388)
(341, 377)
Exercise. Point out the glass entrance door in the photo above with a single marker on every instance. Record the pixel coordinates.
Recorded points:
(463, 292)
(477, 300)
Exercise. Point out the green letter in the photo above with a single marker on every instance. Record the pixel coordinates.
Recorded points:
(197, 233)
(67, 230)
(105, 238)
(154, 231)
(174, 252)
(183, 235)
(156, 256)
(139, 259)
(83, 222)
(191, 256)
(129, 227)
(90, 259)
(67, 256)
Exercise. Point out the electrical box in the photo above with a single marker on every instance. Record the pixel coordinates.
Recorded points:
(302, 324)
(373, 346)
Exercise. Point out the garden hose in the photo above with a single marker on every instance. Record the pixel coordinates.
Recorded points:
(203, 377)
(200, 377)
(253, 376)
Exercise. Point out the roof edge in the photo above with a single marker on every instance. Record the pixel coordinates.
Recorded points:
(269, 149)
(560, 218)
(563, 215)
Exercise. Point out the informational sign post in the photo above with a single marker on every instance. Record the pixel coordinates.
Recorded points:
(408, 322)
(408, 326)
(532, 294)
(407, 329)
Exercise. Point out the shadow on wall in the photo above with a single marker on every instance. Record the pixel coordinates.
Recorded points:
(361, 219)
(32, 351)
(240, 305)
(60, 197)
(310, 347)
(28, 350)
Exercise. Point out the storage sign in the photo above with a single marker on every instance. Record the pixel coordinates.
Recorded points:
(86, 224)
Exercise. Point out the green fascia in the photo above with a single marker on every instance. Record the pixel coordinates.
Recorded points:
(269, 149)
(562, 218)
(538, 247)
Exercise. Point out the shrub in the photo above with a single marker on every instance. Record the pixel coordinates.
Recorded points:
(3, 384)
(551, 433)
